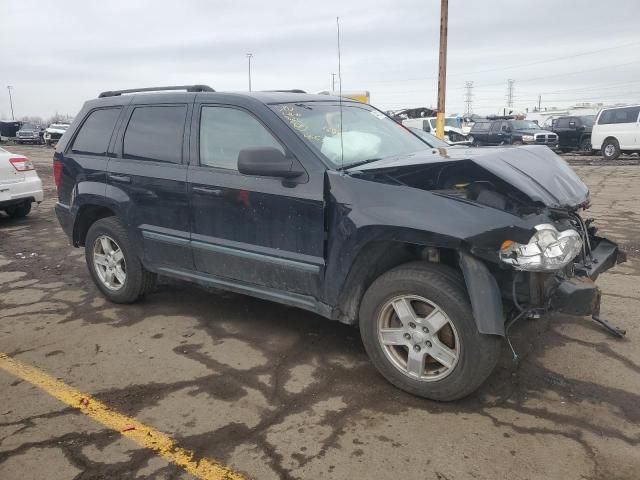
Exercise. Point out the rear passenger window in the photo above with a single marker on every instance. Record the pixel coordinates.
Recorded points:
(95, 133)
(563, 123)
(225, 131)
(619, 115)
(155, 133)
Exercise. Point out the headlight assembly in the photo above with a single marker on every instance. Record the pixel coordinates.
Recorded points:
(547, 250)
(528, 138)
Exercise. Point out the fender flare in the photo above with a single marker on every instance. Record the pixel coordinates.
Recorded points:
(484, 293)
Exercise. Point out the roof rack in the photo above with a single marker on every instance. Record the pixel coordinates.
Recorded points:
(188, 88)
(294, 90)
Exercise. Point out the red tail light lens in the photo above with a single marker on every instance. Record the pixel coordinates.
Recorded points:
(22, 164)
(57, 173)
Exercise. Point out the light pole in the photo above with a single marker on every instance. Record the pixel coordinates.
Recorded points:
(333, 82)
(9, 87)
(249, 57)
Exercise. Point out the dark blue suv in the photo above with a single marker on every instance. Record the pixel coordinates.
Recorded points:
(329, 205)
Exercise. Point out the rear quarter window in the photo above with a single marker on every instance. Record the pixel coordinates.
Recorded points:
(155, 133)
(95, 133)
(619, 115)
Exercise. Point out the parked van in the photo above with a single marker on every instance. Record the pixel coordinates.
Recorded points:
(616, 130)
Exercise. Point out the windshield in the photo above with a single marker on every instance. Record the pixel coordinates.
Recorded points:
(431, 140)
(454, 122)
(367, 134)
(588, 120)
(524, 125)
(28, 126)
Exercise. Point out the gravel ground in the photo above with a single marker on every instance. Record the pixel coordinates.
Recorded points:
(279, 393)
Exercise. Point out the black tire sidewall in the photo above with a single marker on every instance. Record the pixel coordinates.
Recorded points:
(448, 293)
(133, 285)
(616, 153)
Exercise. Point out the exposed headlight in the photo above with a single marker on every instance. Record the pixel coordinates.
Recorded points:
(547, 250)
(528, 138)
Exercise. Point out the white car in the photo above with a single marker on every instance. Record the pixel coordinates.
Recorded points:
(616, 130)
(20, 185)
(454, 133)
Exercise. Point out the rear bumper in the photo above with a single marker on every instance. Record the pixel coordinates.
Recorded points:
(63, 213)
(30, 188)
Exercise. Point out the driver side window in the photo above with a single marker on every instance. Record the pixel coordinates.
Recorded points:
(224, 131)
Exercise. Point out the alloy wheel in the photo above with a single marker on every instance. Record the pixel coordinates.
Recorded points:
(109, 263)
(418, 337)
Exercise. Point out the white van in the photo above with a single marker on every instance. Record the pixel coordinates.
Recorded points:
(616, 130)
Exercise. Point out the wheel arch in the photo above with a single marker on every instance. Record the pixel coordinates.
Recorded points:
(376, 258)
(86, 216)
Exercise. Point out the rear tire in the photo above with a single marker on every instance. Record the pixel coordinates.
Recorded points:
(20, 211)
(610, 149)
(428, 289)
(115, 268)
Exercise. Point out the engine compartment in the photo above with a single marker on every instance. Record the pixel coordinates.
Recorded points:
(461, 180)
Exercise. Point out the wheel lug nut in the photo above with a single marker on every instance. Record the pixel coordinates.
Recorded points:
(407, 336)
(425, 329)
(428, 344)
(416, 348)
(412, 325)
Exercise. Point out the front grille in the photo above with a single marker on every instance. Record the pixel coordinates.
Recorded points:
(539, 138)
(552, 138)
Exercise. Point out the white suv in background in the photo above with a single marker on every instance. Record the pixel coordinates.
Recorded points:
(20, 185)
(616, 130)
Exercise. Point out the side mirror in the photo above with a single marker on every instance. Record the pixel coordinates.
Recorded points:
(267, 162)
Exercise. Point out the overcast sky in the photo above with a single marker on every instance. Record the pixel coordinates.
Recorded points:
(58, 54)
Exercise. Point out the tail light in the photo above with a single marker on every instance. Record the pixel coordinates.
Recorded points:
(22, 164)
(57, 173)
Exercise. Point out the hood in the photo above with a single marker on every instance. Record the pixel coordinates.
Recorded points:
(535, 171)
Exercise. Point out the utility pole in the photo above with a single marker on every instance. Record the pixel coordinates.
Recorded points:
(510, 89)
(249, 57)
(333, 82)
(468, 96)
(9, 87)
(442, 68)
(539, 101)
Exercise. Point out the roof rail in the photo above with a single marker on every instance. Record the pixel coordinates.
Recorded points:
(294, 90)
(188, 88)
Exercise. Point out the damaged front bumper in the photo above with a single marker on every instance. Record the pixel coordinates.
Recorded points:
(576, 293)
(508, 294)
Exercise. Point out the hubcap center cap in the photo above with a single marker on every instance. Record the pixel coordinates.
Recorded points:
(418, 337)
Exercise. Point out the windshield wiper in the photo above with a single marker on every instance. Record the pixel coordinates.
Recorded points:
(357, 164)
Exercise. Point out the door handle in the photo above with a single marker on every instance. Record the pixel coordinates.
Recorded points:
(120, 178)
(207, 190)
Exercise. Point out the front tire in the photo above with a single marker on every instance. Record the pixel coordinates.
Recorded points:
(610, 149)
(115, 268)
(418, 329)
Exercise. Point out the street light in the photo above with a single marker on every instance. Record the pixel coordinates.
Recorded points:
(249, 57)
(9, 87)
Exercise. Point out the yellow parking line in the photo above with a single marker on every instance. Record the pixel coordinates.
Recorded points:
(143, 435)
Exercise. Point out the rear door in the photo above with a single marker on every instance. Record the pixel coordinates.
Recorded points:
(258, 231)
(148, 178)
(563, 129)
(85, 160)
(496, 135)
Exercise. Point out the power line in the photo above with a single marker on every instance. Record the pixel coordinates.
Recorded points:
(507, 67)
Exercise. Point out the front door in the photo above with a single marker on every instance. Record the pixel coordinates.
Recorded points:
(252, 230)
(148, 177)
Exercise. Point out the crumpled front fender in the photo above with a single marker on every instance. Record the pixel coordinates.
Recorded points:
(484, 293)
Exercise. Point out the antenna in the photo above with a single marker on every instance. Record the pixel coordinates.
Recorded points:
(340, 95)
